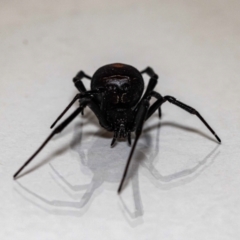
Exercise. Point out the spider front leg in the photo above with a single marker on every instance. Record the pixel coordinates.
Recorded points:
(57, 130)
(157, 96)
(78, 81)
(152, 82)
(192, 111)
(149, 71)
(139, 121)
(151, 85)
(78, 96)
(85, 101)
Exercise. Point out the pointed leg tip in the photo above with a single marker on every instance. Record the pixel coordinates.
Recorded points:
(120, 188)
(113, 143)
(219, 140)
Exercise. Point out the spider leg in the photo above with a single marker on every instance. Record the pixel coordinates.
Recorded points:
(149, 71)
(114, 139)
(156, 105)
(79, 84)
(100, 114)
(78, 81)
(152, 82)
(57, 130)
(192, 111)
(66, 109)
(151, 85)
(157, 96)
(85, 101)
(140, 118)
(78, 96)
(129, 138)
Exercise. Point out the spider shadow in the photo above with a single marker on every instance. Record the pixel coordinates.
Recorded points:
(105, 165)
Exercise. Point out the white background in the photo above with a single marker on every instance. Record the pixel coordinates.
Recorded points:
(183, 184)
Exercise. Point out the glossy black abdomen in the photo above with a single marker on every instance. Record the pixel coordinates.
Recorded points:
(124, 84)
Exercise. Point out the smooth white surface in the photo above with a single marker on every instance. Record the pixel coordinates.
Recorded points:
(184, 185)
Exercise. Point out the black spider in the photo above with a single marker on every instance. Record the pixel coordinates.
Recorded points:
(116, 98)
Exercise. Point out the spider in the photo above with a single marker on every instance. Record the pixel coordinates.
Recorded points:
(116, 98)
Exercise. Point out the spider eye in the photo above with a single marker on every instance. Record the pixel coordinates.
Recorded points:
(125, 87)
(111, 88)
